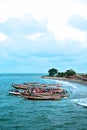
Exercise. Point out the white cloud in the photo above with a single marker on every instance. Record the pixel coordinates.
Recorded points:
(69, 33)
(56, 12)
(3, 37)
(34, 36)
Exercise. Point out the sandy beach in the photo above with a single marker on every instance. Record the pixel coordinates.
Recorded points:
(67, 79)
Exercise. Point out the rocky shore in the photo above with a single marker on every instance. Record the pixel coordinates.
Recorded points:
(75, 80)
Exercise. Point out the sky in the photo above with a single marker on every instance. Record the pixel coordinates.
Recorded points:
(37, 35)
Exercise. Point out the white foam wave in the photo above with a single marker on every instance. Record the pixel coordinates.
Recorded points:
(81, 101)
(68, 84)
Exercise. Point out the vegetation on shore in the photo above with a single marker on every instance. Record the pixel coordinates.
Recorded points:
(69, 75)
(55, 72)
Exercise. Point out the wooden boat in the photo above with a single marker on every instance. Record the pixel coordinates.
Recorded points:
(20, 86)
(50, 92)
(25, 85)
(17, 92)
(14, 92)
(43, 97)
(48, 95)
(43, 94)
(30, 83)
(57, 85)
(33, 84)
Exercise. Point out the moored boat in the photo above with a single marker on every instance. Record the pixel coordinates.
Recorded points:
(20, 86)
(14, 92)
(34, 84)
(57, 85)
(38, 91)
(43, 97)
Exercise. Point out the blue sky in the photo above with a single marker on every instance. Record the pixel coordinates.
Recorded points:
(41, 34)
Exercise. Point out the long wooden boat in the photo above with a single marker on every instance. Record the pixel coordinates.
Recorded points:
(25, 85)
(20, 86)
(38, 96)
(19, 92)
(13, 92)
(50, 92)
(43, 97)
(33, 84)
(57, 85)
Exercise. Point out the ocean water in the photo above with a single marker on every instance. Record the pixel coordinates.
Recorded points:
(17, 113)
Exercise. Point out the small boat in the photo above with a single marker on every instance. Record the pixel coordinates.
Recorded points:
(14, 92)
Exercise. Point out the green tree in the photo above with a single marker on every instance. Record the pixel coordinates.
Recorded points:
(70, 72)
(61, 74)
(52, 72)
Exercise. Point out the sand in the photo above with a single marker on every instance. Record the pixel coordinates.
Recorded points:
(67, 79)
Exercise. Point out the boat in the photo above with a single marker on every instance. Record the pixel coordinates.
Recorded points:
(57, 85)
(43, 97)
(30, 83)
(38, 91)
(34, 84)
(14, 92)
(20, 86)
(25, 86)
(19, 92)
(42, 94)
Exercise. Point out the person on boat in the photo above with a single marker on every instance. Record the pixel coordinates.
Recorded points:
(33, 91)
(28, 90)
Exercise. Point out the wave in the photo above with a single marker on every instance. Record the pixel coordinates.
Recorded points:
(81, 101)
(69, 86)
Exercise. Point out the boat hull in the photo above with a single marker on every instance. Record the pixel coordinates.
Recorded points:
(14, 93)
(43, 97)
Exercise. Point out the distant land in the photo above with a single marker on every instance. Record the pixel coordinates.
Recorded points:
(69, 75)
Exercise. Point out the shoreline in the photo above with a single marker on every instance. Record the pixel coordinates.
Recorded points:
(67, 80)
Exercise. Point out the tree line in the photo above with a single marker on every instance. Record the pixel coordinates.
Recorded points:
(67, 73)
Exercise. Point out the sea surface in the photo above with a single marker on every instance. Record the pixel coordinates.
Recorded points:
(17, 113)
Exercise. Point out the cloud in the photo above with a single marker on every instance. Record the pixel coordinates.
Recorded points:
(78, 22)
(34, 39)
(3, 37)
(69, 33)
(57, 14)
(34, 36)
(43, 30)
